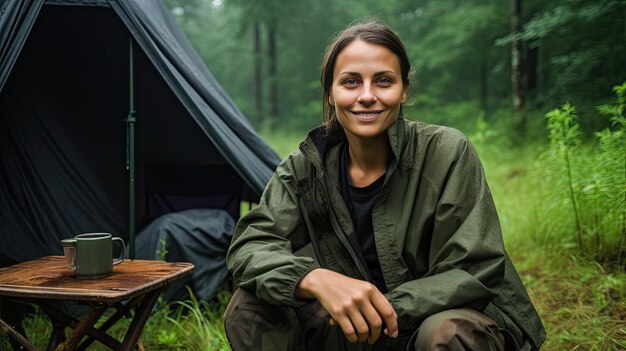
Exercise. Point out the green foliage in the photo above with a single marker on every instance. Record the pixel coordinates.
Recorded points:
(198, 324)
(580, 187)
(553, 20)
(612, 165)
(38, 328)
(581, 44)
(581, 304)
(459, 50)
(162, 251)
(459, 115)
(564, 137)
(448, 43)
(564, 129)
(283, 142)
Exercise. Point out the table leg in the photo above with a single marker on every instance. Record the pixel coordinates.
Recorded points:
(17, 336)
(61, 320)
(88, 320)
(58, 333)
(141, 317)
(12, 312)
(122, 310)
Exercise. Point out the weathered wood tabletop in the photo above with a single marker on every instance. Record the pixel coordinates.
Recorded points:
(51, 278)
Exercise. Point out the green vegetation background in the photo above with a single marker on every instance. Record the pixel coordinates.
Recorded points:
(556, 164)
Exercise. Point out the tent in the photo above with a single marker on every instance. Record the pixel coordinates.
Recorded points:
(108, 119)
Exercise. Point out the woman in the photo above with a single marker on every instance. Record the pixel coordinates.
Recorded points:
(378, 233)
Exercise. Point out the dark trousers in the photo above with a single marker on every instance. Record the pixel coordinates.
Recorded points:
(253, 325)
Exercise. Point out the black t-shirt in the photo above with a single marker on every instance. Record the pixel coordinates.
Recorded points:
(360, 202)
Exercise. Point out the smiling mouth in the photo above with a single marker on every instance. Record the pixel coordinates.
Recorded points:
(367, 116)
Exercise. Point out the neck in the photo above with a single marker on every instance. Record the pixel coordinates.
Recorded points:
(368, 159)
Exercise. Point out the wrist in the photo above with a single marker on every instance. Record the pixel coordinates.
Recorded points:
(307, 286)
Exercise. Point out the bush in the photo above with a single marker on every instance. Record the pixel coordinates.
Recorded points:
(584, 184)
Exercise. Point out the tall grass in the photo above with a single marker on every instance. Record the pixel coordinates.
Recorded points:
(584, 184)
(562, 210)
(180, 325)
(199, 324)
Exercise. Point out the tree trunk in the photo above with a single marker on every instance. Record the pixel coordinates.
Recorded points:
(532, 63)
(517, 64)
(258, 87)
(271, 55)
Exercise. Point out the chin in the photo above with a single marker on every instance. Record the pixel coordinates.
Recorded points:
(367, 132)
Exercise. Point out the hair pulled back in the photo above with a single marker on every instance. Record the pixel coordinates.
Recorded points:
(371, 31)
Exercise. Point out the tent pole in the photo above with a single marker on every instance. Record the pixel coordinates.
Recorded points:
(130, 156)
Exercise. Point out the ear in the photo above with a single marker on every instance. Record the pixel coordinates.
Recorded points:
(331, 101)
(403, 100)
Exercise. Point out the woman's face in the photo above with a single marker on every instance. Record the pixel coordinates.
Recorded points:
(367, 89)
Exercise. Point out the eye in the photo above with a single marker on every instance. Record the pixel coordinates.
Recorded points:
(384, 81)
(350, 82)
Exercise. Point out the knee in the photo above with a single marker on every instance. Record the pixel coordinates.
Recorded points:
(459, 329)
(245, 310)
(251, 324)
(435, 331)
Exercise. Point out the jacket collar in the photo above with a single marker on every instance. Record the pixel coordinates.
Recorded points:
(319, 141)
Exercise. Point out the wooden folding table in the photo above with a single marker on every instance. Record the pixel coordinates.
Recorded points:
(133, 285)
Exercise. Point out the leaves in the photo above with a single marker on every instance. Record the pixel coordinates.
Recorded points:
(563, 127)
(552, 21)
(451, 44)
(592, 177)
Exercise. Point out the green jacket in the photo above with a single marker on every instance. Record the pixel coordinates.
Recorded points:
(436, 230)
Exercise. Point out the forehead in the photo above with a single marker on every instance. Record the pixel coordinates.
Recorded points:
(363, 56)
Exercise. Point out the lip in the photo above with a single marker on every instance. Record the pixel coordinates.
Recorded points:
(367, 116)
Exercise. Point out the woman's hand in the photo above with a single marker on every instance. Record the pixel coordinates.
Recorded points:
(357, 306)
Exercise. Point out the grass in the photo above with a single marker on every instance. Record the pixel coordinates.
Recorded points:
(181, 325)
(582, 306)
(581, 303)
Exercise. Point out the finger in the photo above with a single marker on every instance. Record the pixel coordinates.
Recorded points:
(360, 325)
(347, 328)
(388, 315)
(374, 322)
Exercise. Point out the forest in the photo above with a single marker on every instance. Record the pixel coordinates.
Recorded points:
(539, 87)
(470, 58)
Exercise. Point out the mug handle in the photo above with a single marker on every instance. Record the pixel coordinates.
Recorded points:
(69, 251)
(123, 253)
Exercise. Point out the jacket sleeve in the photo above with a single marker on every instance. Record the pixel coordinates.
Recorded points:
(465, 250)
(260, 256)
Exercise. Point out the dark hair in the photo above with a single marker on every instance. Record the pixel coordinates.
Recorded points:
(371, 31)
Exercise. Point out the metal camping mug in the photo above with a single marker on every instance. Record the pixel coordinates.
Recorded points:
(90, 255)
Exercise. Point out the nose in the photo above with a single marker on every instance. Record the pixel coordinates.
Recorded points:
(367, 96)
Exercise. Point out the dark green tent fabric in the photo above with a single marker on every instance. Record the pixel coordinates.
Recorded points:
(64, 95)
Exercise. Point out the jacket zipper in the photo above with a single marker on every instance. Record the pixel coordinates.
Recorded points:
(343, 238)
(335, 224)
